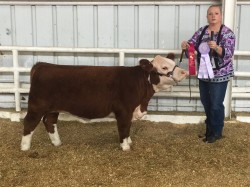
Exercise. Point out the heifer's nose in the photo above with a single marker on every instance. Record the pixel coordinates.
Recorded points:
(184, 72)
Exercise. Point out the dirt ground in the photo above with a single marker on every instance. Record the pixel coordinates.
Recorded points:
(163, 155)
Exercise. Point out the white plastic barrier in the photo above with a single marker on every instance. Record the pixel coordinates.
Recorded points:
(180, 91)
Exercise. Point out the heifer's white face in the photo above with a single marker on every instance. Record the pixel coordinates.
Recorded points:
(165, 66)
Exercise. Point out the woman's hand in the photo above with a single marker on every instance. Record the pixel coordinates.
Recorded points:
(212, 45)
(184, 45)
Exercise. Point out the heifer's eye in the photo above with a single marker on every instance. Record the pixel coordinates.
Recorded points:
(165, 68)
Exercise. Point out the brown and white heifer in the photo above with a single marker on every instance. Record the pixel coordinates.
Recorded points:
(95, 92)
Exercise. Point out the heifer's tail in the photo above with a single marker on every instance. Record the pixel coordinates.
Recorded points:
(34, 69)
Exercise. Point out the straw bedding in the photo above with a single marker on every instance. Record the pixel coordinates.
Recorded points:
(163, 154)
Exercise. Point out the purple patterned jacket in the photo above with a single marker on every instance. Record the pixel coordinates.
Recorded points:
(224, 69)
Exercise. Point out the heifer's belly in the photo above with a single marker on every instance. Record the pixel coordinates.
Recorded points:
(79, 104)
(69, 116)
(88, 112)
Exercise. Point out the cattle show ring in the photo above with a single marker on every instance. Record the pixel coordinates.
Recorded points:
(101, 94)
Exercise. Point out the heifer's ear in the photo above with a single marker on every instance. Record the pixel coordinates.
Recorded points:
(154, 78)
(171, 56)
(146, 65)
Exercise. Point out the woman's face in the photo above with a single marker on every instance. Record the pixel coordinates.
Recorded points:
(214, 15)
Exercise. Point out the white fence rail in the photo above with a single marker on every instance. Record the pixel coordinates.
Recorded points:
(176, 92)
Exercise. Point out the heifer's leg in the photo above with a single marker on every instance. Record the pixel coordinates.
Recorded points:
(50, 122)
(31, 121)
(124, 124)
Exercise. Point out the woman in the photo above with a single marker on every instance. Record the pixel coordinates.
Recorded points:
(221, 41)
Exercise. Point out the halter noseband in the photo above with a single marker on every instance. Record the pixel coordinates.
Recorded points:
(169, 74)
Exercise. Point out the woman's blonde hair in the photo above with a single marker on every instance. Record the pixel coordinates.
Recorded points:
(219, 6)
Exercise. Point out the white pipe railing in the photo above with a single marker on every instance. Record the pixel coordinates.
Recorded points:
(60, 3)
(87, 50)
(103, 3)
(16, 80)
(121, 52)
(100, 50)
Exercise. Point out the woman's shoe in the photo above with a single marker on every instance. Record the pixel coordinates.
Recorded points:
(201, 135)
(204, 135)
(212, 139)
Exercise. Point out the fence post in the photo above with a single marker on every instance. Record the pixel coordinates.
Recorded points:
(229, 7)
(16, 80)
(121, 58)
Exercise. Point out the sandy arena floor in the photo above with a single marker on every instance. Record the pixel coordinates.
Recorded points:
(163, 154)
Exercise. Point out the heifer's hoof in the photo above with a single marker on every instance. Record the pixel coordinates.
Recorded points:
(55, 140)
(127, 148)
(25, 147)
(54, 137)
(26, 142)
(129, 140)
(125, 145)
(56, 143)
